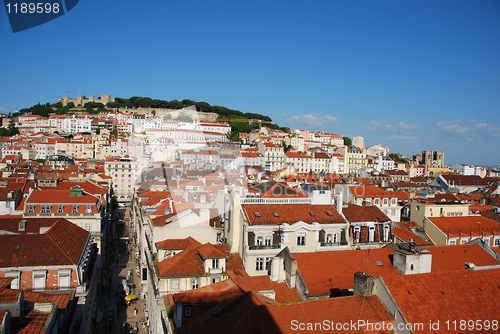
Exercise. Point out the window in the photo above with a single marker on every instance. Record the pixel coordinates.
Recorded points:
(260, 241)
(75, 209)
(268, 240)
(174, 284)
(329, 238)
(385, 201)
(452, 242)
(497, 242)
(377, 201)
(215, 263)
(259, 263)
(215, 279)
(194, 283)
(14, 284)
(60, 208)
(268, 261)
(393, 201)
(188, 311)
(371, 233)
(31, 209)
(356, 233)
(301, 239)
(64, 277)
(89, 208)
(39, 279)
(46, 209)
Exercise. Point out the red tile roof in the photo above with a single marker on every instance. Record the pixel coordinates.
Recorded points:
(189, 262)
(356, 213)
(448, 297)
(466, 225)
(177, 243)
(277, 214)
(323, 271)
(251, 313)
(283, 294)
(62, 244)
(39, 196)
(405, 231)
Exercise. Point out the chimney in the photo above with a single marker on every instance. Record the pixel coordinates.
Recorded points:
(364, 284)
(410, 259)
(339, 201)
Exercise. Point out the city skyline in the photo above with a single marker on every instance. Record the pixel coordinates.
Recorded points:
(412, 76)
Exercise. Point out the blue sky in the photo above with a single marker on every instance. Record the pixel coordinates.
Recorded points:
(414, 75)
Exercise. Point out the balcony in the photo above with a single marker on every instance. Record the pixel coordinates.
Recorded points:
(330, 244)
(259, 247)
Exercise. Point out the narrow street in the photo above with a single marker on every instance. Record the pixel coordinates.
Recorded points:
(120, 278)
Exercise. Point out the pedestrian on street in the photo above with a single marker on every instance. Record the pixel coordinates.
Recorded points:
(135, 311)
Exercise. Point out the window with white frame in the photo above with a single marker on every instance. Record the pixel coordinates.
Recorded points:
(31, 209)
(260, 241)
(268, 240)
(194, 283)
(268, 262)
(356, 233)
(377, 201)
(174, 284)
(16, 275)
(39, 279)
(46, 208)
(386, 232)
(259, 263)
(89, 208)
(371, 233)
(497, 242)
(452, 242)
(60, 208)
(215, 263)
(385, 201)
(64, 279)
(329, 238)
(393, 201)
(75, 209)
(301, 239)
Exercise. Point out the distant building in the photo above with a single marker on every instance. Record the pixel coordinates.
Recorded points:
(433, 158)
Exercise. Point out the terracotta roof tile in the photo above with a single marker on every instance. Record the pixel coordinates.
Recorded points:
(370, 213)
(323, 271)
(447, 297)
(62, 244)
(177, 243)
(277, 214)
(466, 225)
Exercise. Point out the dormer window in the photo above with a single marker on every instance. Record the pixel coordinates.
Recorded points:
(46, 208)
(215, 263)
(74, 209)
(31, 209)
(60, 208)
